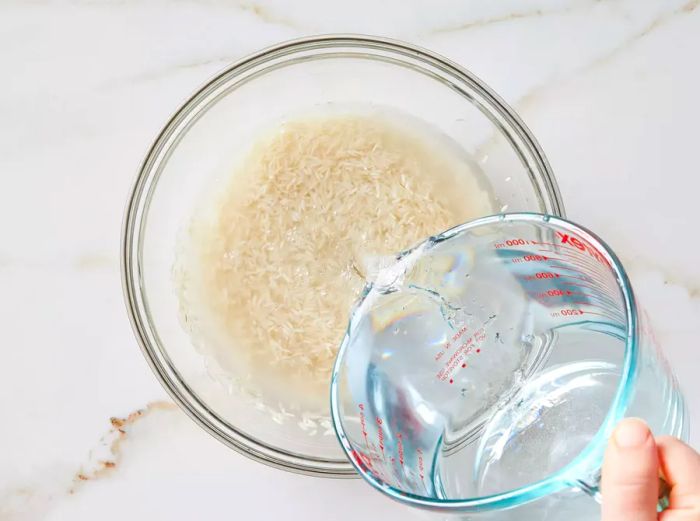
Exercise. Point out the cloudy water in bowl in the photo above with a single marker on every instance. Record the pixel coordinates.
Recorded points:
(277, 256)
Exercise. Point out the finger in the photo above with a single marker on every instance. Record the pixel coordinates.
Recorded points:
(680, 467)
(679, 515)
(630, 474)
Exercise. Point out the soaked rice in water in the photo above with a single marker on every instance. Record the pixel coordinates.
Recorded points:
(283, 255)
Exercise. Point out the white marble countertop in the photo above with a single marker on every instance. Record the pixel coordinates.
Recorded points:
(610, 88)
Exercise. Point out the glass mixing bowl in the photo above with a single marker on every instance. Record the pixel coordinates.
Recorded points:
(199, 147)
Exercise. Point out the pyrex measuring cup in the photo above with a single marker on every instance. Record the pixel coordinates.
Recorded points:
(485, 369)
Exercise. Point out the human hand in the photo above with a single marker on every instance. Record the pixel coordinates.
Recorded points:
(634, 461)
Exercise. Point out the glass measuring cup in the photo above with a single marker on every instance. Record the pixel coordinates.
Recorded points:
(485, 369)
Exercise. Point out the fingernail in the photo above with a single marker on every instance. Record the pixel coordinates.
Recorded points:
(631, 433)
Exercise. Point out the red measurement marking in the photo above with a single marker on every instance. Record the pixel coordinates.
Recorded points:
(459, 333)
(363, 423)
(421, 468)
(583, 245)
(599, 314)
(358, 458)
(530, 258)
(455, 337)
(458, 356)
(517, 241)
(552, 293)
(594, 288)
(545, 275)
(584, 263)
(570, 312)
(364, 461)
(595, 261)
(380, 434)
(399, 444)
(574, 252)
(591, 287)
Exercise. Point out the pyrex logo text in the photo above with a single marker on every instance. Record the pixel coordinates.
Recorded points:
(583, 246)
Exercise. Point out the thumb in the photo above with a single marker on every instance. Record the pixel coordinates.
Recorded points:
(630, 474)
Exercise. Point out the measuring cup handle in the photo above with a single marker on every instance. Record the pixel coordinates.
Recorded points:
(593, 490)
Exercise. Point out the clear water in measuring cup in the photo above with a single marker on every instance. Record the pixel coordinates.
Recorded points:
(480, 361)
